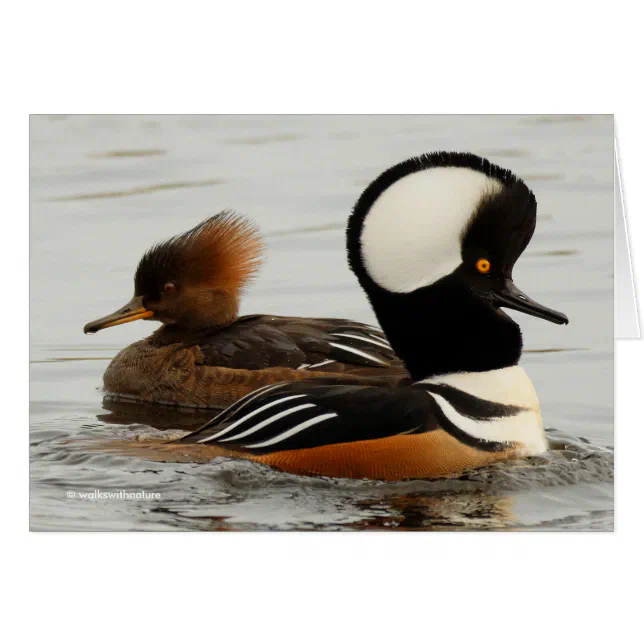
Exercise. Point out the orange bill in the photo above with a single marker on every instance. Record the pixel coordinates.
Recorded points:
(133, 310)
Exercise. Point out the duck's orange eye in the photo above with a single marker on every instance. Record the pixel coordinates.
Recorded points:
(483, 266)
(168, 288)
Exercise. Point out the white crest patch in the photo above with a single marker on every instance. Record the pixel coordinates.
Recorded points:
(411, 234)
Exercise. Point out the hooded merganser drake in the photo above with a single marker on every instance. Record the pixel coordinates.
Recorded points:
(432, 241)
(204, 355)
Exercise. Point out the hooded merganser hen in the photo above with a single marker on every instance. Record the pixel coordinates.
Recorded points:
(432, 241)
(204, 355)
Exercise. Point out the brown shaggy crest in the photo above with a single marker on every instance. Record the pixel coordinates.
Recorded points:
(224, 251)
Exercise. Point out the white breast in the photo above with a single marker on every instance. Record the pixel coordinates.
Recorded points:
(508, 386)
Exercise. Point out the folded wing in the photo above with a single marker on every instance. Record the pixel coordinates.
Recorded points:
(308, 344)
(290, 416)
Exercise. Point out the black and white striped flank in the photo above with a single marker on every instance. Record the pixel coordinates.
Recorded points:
(301, 415)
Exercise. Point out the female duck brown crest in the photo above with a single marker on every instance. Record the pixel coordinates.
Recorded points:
(195, 279)
(224, 251)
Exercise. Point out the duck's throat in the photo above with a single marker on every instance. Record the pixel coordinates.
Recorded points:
(446, 330)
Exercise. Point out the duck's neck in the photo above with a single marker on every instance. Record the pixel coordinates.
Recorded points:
(173, 334)
(465, 353)
(444, 328)
(203, 313)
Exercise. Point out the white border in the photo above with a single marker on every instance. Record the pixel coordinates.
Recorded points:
(342, 57)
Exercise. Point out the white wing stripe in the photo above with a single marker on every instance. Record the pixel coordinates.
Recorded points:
(294, 430)
(268, 421)
(407, 431)
(378, 343)
(319, 364)
(247, 416)
(386, 342)
(357, 352)
(244, 401)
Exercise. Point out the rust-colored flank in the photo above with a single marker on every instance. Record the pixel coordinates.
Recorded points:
(429, 455)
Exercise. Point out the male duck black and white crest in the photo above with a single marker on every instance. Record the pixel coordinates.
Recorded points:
(433, 241)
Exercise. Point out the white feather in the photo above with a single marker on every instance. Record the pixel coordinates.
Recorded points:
(294, 430)
(317, 364)
(508, 386)
(411, 234)
(238, 422)
(377, 341)
(524, 428)
(357, 352)
(268, 421)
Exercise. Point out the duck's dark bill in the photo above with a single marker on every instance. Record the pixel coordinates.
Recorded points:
(512, 297)
(133, 310)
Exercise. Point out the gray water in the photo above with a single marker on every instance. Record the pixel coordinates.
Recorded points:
(104, 188)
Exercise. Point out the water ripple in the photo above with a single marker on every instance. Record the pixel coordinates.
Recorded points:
(128, 192)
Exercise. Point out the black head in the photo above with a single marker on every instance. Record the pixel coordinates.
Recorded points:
(433, 242)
